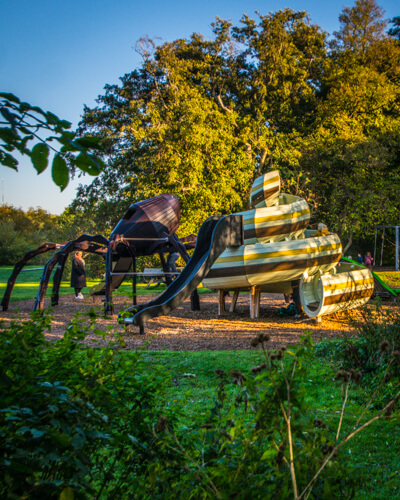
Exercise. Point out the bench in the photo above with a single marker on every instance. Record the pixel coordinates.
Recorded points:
(155, 275)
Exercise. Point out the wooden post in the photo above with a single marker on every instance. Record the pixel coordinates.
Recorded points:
(252, 298)
(234, 300)
(221, 302)
(257, 298)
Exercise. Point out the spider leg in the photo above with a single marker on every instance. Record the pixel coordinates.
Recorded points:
(87, 243)
(46, 247)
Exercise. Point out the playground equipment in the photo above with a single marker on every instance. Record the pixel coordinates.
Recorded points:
(266, 249)
(396, 244)
(147, 228)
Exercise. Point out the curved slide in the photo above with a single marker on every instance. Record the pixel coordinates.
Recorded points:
(215, 235)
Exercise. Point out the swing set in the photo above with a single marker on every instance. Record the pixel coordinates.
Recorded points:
(395, 244)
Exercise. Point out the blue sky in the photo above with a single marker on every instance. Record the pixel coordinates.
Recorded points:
(60, 54)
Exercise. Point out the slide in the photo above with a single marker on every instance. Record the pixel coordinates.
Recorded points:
(380, 287)
(122, 265)
(215, 235)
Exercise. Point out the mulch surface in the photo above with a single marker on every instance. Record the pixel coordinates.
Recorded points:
(186, 330)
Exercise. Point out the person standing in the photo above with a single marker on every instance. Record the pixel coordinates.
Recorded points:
(171, 259)
(78, 275)
(360, 259)
(368, 260)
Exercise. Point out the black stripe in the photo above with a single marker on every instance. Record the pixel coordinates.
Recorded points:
(263, 232)
(345, 297)
(262, 195)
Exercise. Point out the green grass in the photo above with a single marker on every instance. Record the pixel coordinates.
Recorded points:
(391, 278)
(374, 452)
(28, 281)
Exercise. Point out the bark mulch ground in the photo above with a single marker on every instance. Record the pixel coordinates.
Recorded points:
(186, 330)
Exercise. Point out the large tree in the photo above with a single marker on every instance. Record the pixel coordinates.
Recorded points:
(353, 158)
(201, 118)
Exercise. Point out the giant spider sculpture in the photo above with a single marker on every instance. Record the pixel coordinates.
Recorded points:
(148, 227)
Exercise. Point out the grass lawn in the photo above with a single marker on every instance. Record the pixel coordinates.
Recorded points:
(391, 278)
(27, 285)
(373, 453)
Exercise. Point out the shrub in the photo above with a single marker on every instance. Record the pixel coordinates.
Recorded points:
(260, 437)
(73, 419)
(371, 350)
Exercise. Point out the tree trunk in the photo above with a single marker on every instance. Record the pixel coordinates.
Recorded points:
(349, 243)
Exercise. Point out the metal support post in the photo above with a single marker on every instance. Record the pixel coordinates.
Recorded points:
(134, 279)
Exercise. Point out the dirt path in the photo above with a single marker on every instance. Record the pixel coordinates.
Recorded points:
(185, 330)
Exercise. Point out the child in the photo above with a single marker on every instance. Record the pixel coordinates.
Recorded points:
(368, 260)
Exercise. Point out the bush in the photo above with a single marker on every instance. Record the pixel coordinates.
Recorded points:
(73, 419)
(377, 338)
(260, 437)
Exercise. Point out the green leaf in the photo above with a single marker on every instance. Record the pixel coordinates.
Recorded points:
(268, 454)
(8, 160)
(89, 142)
(10, 97)
(87, 164)
(52, 118)
(59, 172)
(39, 156)
(67, 494)
(8, 135)
(10, 117)
(63, 439)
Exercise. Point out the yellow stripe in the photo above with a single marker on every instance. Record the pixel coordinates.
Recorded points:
(335, 286)
(279, 253)
(290, 215)
(265, 183)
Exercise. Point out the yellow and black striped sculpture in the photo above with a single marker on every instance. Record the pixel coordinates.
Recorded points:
(278, 250)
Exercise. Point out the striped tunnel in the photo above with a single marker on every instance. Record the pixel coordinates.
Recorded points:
(351, 286)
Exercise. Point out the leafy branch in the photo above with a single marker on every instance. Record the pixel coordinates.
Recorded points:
(22, 124)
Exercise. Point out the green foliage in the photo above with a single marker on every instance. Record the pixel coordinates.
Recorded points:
(23, 231)
(73, 420)
(23, 123)
(371, 350)
(105, 423)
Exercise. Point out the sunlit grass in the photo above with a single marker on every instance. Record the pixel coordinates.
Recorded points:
(391, 278)
(28, 282)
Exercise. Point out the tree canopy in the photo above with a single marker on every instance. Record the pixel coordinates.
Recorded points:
(201, 118)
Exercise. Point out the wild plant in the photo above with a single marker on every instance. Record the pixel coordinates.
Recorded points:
(263, 439)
